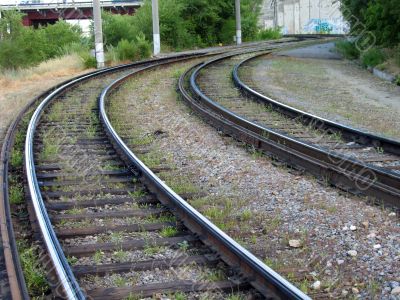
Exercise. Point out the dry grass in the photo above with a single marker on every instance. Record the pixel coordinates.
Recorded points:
(18, 87)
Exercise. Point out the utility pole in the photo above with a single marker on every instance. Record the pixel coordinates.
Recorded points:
(98, 34)
(156, 27)
(238, 23)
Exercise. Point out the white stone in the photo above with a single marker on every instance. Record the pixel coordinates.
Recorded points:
(352, 253)
(353, 228)
(396, 291)
(345, 228)
(344, 293)
(340, 261)
(377, 246)
(371, 235)
(355, 290)
(316, 285)
(392, 214)
(295, 243)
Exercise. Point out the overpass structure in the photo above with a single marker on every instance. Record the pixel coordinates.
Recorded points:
(41, 13)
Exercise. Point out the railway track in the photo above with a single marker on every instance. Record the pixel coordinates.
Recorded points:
(111, 229)
(350, 159)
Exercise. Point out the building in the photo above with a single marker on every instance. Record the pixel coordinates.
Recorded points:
(303, 16)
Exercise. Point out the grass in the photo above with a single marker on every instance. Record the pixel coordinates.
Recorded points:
(169, 232)
(98, 257)
(246, 215)
(116, 237)
(16, 194)
(152, 249)
(372, 57)
(347, 49)
(17, 158)
(50, 149)
(179, 296)
(137, 194)
(35, 275)
(183, 246)
(213, 275)
(120, 255)
(120, 281)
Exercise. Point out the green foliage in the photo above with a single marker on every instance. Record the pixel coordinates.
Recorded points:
(35, 275)
(126, 50)
(269, 34)
(348, 49)
(372, 57)
(381, 17)
(185, 23)
(24, 46)
(397, 55)
(89, 61)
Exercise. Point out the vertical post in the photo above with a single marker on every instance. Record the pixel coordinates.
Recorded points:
(156, 27)
(98, 34)
(238, 23)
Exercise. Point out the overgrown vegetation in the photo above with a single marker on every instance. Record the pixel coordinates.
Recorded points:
(184, 24)
(24, 46)
(348, 49)
(375, 24)
(372, 57)
(381, 17)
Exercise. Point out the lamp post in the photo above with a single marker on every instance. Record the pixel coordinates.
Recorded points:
(156, 27)
(238, 23)
(98, 34)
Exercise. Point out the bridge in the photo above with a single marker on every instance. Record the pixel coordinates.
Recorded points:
(40, 13)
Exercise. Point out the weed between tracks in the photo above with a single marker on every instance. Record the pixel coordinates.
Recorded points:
(30, 253)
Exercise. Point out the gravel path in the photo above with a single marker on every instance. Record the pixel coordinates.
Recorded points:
(328, 243)
(329, 87)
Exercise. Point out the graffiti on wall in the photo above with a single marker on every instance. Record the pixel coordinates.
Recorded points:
(335, 26)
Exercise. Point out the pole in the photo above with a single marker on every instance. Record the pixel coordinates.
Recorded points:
(238, 23)
(98, 34)
(156, 27)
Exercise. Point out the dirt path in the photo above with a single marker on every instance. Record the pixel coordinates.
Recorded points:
(19, 87)
(329, 87)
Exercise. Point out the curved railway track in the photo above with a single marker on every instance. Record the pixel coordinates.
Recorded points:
(98, 209)
(348, 158)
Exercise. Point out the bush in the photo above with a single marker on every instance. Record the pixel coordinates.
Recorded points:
(185, 23)
(397, 55)
(89, 61)
(126, 50)
(347, 49)
(372, 57)
(24, 46)
(269, 34)
(139, 49)
(143, 47)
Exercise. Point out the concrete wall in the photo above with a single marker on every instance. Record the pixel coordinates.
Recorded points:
(303, 16)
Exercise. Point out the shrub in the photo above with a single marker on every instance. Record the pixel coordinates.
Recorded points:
(143, 47)
(126, 50)
(372, 57)
(348, 49)
(397, 55)
(269, 34)
(24, 46)
(89, 61)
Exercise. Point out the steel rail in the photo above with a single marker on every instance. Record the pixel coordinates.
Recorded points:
(342, 171)
(61, 267)
(16, 288)
(66, 278)
(348, 132)
(263, 278)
